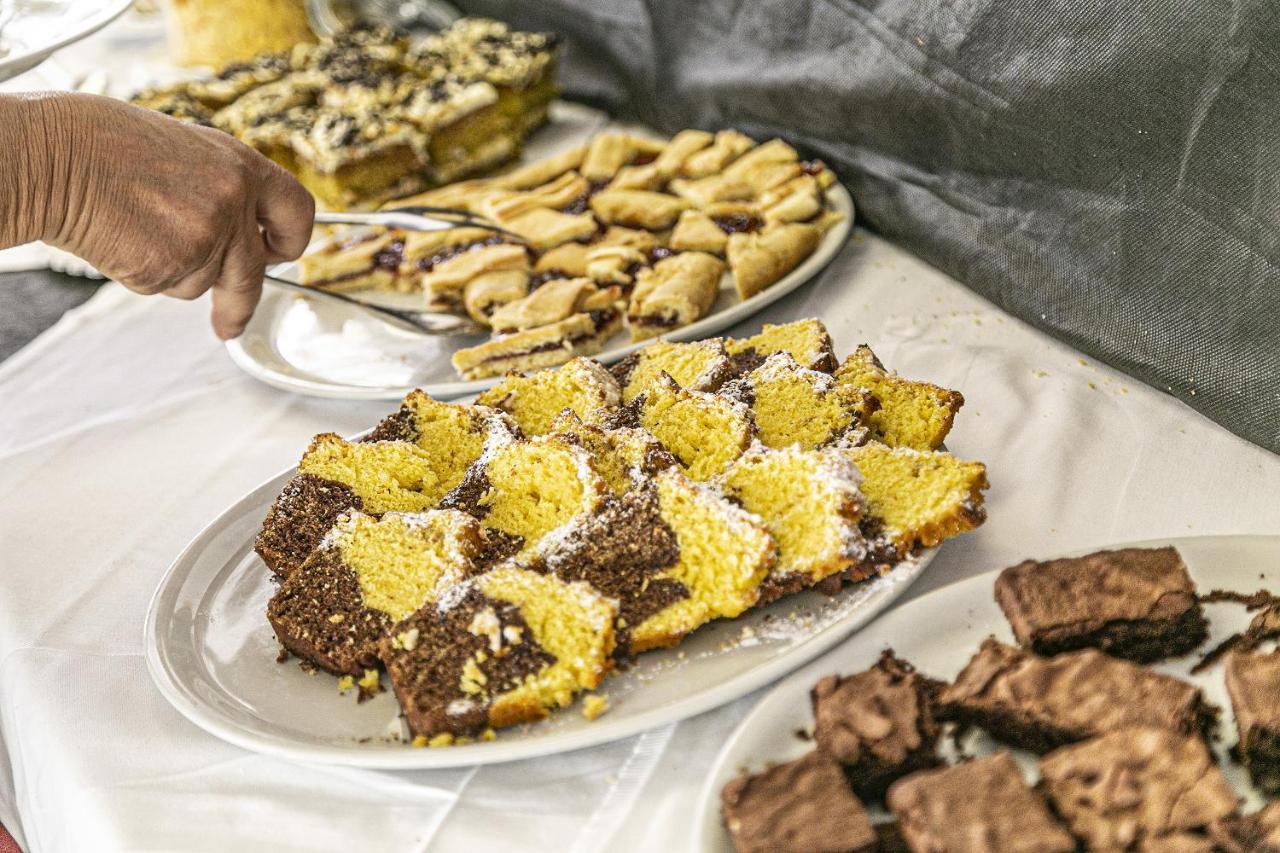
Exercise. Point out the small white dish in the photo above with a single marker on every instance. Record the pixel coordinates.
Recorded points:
(42, 27)
(939, 632)
(211, 652)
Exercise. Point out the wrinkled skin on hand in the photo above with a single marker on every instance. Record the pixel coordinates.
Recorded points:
(160, 206)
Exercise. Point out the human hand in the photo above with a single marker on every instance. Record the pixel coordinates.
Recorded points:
(164, 207)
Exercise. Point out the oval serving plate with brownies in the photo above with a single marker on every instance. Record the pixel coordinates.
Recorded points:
(1133, 748)
(626, 238)
(581, 554)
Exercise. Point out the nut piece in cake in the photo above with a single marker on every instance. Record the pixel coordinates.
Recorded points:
(803, 805)
(674, 292)
(582, 385)
(705, 432)
(879, 723)
(809, 501)
(334, 476)
(698, 366)
(354, 261)
(652, 211)
(974, 807)
(725, 554)
(795, 405)
(501, 648)
(806, 341)
(579, 334)
(911, 414)
(524, 490)
(760, 258)
(916, 498)
(1042, 703)
(1135, 783)
(1135, 603)
(1253, 683)
(366, 575)
(627, 457)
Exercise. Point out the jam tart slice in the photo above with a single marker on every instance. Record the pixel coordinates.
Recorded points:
(760, 258)
(652, 211)
(444, 284)
(674, 292)
(354, 261)
(584, 333)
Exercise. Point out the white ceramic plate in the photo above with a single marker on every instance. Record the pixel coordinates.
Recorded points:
(321, 347)
(212, 653)
(940, 631)
(44, 26)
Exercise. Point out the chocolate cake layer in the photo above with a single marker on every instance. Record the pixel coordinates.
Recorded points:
(981, 805)
(1253, 683)
(300, 517)
(1136, 603)
(803, 805)
(1041, 703)
(878, 723)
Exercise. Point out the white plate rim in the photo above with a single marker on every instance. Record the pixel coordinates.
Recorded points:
(832, 242)
(17, 63)
(707, 824)
(611, 728)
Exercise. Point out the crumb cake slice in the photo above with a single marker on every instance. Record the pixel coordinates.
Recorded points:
(915, 499)
(698, 366)
(795, 405)
(705, 432)
(674, 292)
(582, 385)
(809, 501)
(806, 341)
(335, 476)
(911, 414)
(1253, 683)
(725, 554)
(626, 457)
(802, 805)
(366, 576)
(978, 806)
(1131, 784)
(498, 649)
(1042, 703)
(878, 723)
(1135, 603)
(525, 490)
(581, 334)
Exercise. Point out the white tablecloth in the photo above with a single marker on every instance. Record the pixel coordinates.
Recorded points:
(126, 428)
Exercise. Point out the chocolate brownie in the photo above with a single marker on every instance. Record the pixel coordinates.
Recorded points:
(879, 723)
(1040, 703)
(980, 805)
(803, 805)
(1253, 683)
(1255, 833)
(1135, 603)
(1135, 783)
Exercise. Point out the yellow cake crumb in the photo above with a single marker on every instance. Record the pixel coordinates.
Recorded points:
(370, 681)
(594, 705)
(582, 386)
(419, 741)
(345, 683)
(442, 739)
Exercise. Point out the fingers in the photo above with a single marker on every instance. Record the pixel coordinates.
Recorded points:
(239, 286)
(285, 211)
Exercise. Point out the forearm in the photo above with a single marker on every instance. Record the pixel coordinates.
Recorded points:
(34, 139)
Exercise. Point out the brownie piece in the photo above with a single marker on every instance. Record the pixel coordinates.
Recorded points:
(1135, 603)
(1135, 783)
(1040, 703)
(803, 806)
(1253, 683)
(879, 723)
(980, 805)
(1178, 842)
(1255, 833)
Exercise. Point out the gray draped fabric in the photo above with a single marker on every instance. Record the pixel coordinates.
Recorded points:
(1107, 171)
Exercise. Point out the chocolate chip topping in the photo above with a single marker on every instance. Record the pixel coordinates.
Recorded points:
(618, 551)
(427, 677)
(319, 614)
(300, 517)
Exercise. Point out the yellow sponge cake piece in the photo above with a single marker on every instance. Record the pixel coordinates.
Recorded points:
(809, 501)
(705, 432)
(795, 405)
(366, 575)
(499, 649)
(807, 341)
(917, 498)
(698, 366)
(911, 414)
(625, 457)
(582, 385)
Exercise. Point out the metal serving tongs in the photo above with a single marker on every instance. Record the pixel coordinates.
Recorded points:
(408, 219)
